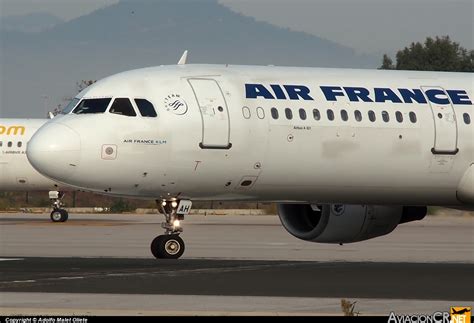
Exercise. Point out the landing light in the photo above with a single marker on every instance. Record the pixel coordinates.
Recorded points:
(176, 223)
(174, 204)
(163, 203)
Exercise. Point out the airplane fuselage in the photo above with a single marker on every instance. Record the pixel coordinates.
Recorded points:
(272, 134)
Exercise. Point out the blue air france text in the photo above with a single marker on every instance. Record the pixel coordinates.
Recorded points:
(359, 94)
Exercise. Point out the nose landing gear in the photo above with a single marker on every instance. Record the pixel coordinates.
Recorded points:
(170, 245)
(58, 214)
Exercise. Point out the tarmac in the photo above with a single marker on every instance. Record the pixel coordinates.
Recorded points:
(233, 265)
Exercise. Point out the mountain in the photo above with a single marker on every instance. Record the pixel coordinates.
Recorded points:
(35, 22)
(42, 68)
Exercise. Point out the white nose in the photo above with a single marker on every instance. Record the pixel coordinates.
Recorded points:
(54, 151)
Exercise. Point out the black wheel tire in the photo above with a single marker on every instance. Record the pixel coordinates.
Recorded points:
(65, 215)
(169, 246)
(155, 246)
(59, 215)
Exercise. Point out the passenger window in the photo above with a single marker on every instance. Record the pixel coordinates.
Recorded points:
(412, 117)
(274, 112)
(246, 112)
(288, 113)
(316, 114)
(467, 118)
(399, 116)
(146, 108)
(372, 116)
(19, 144)
(385, 116)
(10, 144)
(260, 113)
(303, 114)
(330, 114)
(123, 106)
(92, 106)
(358, 115)
(344, 115)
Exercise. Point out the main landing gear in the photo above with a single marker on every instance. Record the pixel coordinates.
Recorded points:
(170, 245)
(58, 214)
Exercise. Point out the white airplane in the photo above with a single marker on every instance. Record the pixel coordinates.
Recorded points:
(347, 154)
(16, 173)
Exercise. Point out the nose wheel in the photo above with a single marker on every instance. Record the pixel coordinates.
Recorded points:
(170, 245)
(167, 246)
(59, 215)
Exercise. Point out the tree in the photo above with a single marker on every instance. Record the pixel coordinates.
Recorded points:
(83, 84)
(387, 63)
(439, 54)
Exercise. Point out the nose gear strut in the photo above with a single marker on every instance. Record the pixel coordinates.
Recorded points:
(170, 245)
(171, 224)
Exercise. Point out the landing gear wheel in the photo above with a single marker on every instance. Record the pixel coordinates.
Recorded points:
(59, 215)
(168, 246)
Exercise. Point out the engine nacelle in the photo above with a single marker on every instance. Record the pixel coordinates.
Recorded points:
(337, 223)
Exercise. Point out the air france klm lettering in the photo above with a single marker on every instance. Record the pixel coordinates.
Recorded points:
(358, 94)
(348, 155)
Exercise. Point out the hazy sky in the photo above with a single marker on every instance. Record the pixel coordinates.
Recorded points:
(369, 26)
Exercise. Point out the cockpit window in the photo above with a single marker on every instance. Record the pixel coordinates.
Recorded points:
(92, 106)
(146, 108)
(123, 106)
(71, 105)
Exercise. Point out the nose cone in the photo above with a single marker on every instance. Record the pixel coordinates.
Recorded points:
(54, 151)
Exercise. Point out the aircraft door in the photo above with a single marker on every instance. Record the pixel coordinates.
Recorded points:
(446, 130)
(214, 113)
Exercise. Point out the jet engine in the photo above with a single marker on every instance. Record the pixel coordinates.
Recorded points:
(339, 223)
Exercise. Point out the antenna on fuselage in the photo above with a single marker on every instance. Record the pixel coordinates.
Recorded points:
(183, 59)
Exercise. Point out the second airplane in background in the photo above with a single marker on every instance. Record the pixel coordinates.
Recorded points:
(16, 172)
